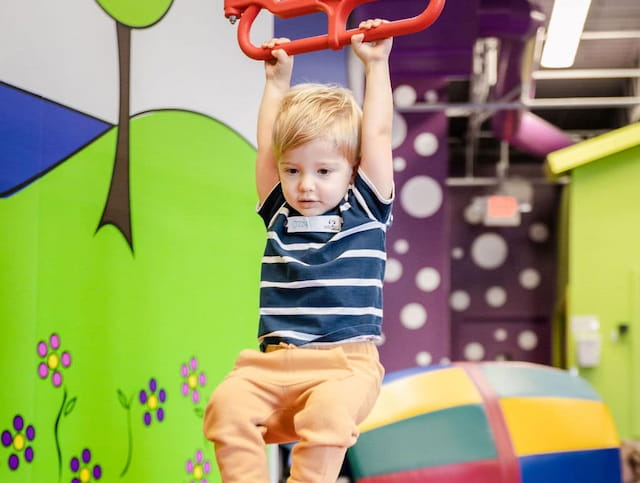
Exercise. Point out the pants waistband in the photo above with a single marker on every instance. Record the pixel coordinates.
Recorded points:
(348, 347)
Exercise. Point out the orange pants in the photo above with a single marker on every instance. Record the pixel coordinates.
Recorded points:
(315, 397)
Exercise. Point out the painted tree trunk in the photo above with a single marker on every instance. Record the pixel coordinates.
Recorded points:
(117, 210)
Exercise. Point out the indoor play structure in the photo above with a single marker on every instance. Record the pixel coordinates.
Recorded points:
(337, 12)
(494, 422)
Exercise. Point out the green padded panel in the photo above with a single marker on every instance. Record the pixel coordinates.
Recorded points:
(525, 380)
(452, 435)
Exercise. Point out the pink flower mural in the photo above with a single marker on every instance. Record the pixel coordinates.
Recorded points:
(52, 360)
(192, 380)
(198, 468)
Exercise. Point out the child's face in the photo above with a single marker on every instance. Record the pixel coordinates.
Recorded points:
(314, 177)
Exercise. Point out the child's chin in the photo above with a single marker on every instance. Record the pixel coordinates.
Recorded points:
(309, 211)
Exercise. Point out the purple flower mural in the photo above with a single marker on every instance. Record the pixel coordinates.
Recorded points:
(198, 468)
(153, 400)
(19, 441)
(125, 402)
(192, 380)
(83, 470)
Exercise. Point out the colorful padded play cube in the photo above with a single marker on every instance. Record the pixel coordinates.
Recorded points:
(494, 422)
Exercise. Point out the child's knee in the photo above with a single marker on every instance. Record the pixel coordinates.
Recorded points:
(219, 410)
(327, 426)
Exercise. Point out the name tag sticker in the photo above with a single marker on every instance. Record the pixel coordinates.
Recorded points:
(324, 223)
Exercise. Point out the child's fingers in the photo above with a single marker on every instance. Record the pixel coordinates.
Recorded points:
(356, 39)
(270, 44)
(371, 23)
(282, 40)
(280, 55)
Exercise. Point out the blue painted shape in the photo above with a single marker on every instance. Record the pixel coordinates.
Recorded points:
(36, 135)
(510, 380)
(323, 66)
(411, 371)
(591, 466)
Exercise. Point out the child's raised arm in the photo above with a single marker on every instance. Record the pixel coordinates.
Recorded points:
(376, 156)
(277, 81)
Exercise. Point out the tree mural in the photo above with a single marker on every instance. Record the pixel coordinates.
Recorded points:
(127, 15)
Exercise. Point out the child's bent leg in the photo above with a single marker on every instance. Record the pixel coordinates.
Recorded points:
(316, 464)
(327, 425)
(233, 422)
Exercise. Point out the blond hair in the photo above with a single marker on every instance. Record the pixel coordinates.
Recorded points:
(318, 111)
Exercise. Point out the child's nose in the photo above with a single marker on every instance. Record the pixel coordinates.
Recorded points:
(306, 183)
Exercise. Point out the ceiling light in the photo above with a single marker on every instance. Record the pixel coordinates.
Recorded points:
(563, 33)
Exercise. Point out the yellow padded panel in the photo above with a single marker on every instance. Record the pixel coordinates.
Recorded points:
(547, 424)
(421, 393)
(598, 147)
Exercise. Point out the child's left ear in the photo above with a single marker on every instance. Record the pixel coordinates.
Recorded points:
(354, 170)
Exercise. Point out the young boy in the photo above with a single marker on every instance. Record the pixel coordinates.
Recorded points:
(325, 183)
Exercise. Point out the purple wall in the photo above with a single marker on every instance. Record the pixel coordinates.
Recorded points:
(503, 280)
(416, 325)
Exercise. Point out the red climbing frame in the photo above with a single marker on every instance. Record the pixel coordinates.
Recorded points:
(337, 12)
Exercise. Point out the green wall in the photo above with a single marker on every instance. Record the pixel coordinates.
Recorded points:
(604, 276)
(94, 337)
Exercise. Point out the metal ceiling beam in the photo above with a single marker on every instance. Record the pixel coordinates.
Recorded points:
(605, 35)
(582, 102)
(585, 74)
(494, 181)
(610, 34)
(464, 109)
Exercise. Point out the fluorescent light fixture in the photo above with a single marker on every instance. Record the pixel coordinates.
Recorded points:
(563, 34)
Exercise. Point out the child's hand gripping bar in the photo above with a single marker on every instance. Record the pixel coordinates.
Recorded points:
(337, 13)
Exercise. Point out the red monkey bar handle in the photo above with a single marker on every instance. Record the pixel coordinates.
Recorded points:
(337, 12)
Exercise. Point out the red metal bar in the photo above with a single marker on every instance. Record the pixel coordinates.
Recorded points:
(337, 12)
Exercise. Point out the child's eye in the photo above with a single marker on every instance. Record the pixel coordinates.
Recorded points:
(290, 170)
(323, 171)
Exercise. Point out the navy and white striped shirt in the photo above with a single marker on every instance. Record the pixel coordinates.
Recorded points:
(323, 287)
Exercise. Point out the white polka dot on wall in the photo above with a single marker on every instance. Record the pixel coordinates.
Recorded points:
(538, 232)
(489, 250)
(495, 296)
(401, 246)
(423, 358)
(413, 316)
(399, 164)
(527, 340)
(425, 144)
(421, 196)
(393, 270)
(474, 351)
(404, 95)
(473, 214)
(427, 279)
(459, 300)
(431, 96)
(529, 278)
(399, 130)
(457, 253)
(500, 335)
(445, 360)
